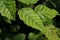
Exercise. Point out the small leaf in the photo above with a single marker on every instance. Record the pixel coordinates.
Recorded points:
(50, 32)
(44, 10)
(32, 36)
(28, 2)
(20, 37)
(8, 9)
(39, 36)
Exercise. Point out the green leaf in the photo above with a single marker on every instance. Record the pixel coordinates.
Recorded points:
(51, 32)
(44, 10)
(32, 36)
(39, 36)
(30, 18)
(8, 9)
(58, 31)
(28, 2)
(19, 37)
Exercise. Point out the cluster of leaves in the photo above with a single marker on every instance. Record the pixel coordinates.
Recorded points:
(29, 20)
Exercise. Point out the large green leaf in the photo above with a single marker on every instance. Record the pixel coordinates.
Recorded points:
(28, 2)
(30, 18)
(44, 10)
(8, 9)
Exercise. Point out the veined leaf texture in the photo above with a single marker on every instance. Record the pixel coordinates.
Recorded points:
(8, 9)
(28, 2)
(31, 18)
(44, 10)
